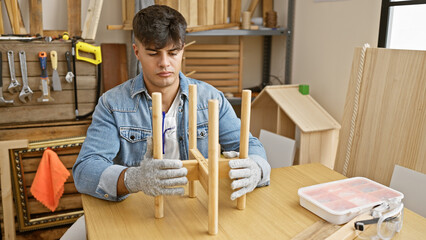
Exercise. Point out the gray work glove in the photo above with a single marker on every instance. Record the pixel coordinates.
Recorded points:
(247, 173)
(157, 177)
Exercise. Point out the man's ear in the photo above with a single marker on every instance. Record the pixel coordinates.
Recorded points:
(135, 50)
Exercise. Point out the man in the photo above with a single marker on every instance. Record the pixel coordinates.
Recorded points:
(116, 157)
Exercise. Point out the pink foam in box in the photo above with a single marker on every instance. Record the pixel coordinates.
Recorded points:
(340, 201)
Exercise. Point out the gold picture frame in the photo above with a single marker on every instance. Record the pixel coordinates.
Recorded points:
(29, 219)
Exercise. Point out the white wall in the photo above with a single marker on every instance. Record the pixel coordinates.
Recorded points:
(325, 36)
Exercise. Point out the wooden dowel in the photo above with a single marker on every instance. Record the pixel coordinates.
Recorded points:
(244, 136)
(192, 191)
(157, 139)
(213, 166)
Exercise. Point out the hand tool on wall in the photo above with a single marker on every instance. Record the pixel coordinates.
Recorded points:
(56, 82)
(44, 80)
(88, 48)
(26, 92)
(69, 75)
(14, 84)
(2, 100)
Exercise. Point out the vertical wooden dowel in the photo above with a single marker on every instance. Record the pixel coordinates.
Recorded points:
(192, 191)
(244, 136)
(157, 139)
(213, 166)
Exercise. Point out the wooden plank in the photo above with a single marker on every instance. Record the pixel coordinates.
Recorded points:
(35, 47)
(184, 9)
(84, 83)
(33, 69)
(72, 201)
(390, 126)
(229, 89)
(240, 65)
(1, 20)
(200, 69)
(69, 188)
(235, 11)
(211, 47)
(218, 54)
(36, 17)
(114, 66)
(211, 27)
(92, 19)
(252, 7)
(172, 3)
(225, 11)
(74, 17)
(61, 97)
(268, 5)
(217, 76)
(6, 186)
(210, 7)
(193, 13)
(29, 178)
(219, 11)
(221, 83)
(47, 132)
(39, 113)
(202, 12)
(31, 164)
(130, 12)
(229, 61)
(15, 16)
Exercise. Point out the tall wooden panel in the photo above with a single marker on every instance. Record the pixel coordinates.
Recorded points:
(390, 126)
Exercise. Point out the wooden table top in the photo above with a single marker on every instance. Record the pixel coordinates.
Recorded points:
(271, 212)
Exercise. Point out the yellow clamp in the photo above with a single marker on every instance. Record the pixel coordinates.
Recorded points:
(85, 47)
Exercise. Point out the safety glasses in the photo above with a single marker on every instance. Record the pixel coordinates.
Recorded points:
(387, 221)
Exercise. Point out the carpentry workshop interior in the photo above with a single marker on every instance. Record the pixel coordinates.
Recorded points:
(330, 119)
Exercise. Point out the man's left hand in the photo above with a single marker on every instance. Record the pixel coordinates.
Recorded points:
(247, 174)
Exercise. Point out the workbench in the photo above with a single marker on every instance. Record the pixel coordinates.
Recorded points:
(272, 212)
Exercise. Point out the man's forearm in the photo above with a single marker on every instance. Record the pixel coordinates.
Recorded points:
(121, 188)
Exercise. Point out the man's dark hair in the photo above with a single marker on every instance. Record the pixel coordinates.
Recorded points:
(159, 25)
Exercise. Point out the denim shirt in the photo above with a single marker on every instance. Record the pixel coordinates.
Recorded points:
(120, 135)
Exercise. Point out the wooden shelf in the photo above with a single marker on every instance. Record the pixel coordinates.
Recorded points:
(241, 32)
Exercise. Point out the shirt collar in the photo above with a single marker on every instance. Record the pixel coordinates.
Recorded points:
(138, 85)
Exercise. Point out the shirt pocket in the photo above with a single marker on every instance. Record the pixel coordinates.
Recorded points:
(134, 143)
(203, 138)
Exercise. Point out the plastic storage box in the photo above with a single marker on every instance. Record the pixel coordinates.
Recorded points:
(340, 201)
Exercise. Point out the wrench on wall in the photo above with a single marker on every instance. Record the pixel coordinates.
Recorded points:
(2, 100)
(14, 84)
(26, 92)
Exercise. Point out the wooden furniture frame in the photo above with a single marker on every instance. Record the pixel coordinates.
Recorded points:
(207, 171)
(11, 155)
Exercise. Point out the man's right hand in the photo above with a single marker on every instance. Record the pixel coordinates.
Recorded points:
(157, 177)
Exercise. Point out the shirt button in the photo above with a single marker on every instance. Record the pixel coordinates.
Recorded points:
(180, 138)
(132, 137)
(106, 195)
(180, 109)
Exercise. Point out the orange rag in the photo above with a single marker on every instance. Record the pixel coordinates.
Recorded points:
(48, 184)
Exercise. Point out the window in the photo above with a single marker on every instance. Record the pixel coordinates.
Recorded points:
(403, 24)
